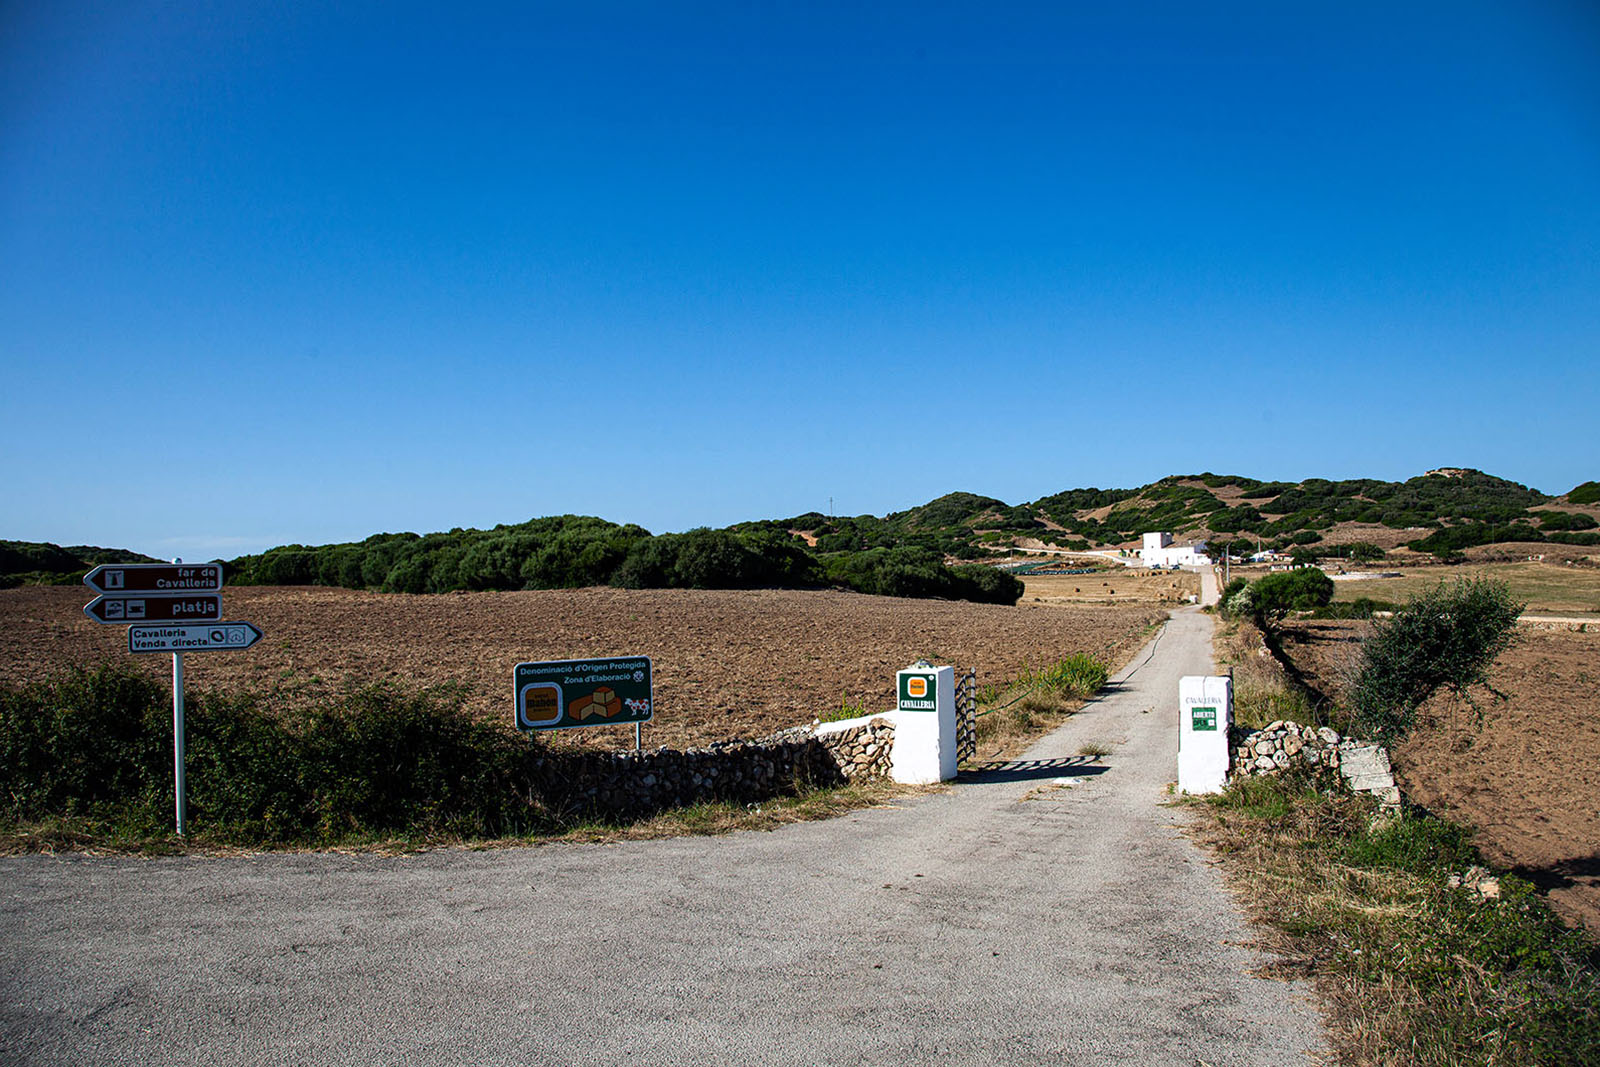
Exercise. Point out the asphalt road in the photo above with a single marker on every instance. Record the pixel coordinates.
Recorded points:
(1008, 919)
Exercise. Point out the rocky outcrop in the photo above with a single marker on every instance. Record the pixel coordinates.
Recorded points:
(1364, 767)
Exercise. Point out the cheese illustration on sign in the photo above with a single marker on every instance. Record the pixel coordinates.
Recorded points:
(602, 702)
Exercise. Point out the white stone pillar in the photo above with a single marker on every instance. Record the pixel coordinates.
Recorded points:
(1205, 711)
(924, 725)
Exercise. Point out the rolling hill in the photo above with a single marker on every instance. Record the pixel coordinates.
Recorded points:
(916, 552)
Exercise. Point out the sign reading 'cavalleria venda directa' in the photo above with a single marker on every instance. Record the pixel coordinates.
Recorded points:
(604, 691)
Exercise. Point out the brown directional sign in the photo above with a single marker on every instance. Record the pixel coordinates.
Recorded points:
(186, 607)
(119, 579)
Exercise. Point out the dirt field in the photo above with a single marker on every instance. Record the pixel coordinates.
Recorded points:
(1529, 780)
(726, 664)
(1549, 588)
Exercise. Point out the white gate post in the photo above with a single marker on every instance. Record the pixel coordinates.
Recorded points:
(1205, 711)
(924, 725)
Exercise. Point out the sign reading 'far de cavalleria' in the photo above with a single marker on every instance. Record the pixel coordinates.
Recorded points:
(604, 691)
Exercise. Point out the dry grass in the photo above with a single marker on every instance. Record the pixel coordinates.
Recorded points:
(1133, 585)
(88, 837)
(1410, 971)
(1546, 588)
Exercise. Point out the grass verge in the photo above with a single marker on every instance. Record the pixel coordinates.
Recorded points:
(108, 837)
(85, 765)
(1413, 970)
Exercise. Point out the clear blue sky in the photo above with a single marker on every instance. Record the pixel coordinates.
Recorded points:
(274, 273)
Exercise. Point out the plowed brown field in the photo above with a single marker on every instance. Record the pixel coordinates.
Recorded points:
(727, 664)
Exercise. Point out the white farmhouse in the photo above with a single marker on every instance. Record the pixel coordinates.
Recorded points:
(1159, 551)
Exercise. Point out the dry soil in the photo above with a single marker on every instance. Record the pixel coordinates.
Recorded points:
(726, 664)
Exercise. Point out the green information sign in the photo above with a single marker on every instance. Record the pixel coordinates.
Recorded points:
(1202, 719)
(919, 692)
(563, 694)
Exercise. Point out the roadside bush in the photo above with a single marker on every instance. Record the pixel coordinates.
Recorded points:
(84, 741)
(1446, 638)
(1078, 675)
(1236, 601)
(378, 760)
(1274, 596)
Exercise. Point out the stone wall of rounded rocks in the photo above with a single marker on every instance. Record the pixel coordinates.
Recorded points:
(634, 784)
(1363, 766)
(862, 752)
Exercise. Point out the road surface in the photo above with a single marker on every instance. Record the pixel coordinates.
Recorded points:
(1048, 912)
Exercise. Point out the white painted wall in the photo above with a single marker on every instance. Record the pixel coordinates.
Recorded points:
(1159, 551)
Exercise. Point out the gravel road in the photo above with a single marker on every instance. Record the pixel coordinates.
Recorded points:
(1006, 919)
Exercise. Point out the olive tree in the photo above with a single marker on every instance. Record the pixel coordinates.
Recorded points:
(1445, 638)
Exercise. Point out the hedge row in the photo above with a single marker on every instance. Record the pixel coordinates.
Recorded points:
(572, 551)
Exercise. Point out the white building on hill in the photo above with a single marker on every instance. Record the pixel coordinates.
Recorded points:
(1159, 551)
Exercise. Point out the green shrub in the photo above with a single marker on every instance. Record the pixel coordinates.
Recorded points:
(1587, 493)
(374, 760)
(1274, 596)
(1430, 846)
(1565, 520)
(919, 572)
(987, 585)
(845, 710)
(84, 741)
(1078, 675)
(1447, 637)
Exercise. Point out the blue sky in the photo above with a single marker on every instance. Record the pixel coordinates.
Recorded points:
(274, 273)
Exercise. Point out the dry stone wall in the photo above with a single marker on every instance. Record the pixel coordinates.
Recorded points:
(1364, 767)
(636, 784)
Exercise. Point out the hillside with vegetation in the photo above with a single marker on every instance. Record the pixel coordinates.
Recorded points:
(1439, 513)
(39, 563)
(935, 550)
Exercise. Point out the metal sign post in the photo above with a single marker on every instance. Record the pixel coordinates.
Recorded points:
(174, 609)
(180, 793)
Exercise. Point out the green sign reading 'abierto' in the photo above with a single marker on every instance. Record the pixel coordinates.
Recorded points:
(1201, 719)
(563, 694)
(919, 692)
